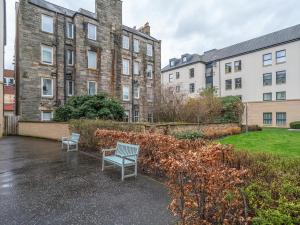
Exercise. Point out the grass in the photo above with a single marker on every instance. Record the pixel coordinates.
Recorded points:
(280, 142)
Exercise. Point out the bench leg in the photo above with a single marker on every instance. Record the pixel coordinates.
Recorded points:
(135, 170)
(103, 166)
(122, 173)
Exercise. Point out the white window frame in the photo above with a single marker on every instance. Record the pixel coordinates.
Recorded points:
(43, 17)
(42, 115)
(123, 91)
(68, 30)
(68, 85)
(89, 82)
(136, 68)
(72, 55)
(126, 67)
(42, 56)
(89, 60)
(136, 116)
(136, 92)
(283, 58)
(171, 78)
(42, 85)
(149, 71)
(149, 50)
(136, 45)
(92, 36)
(125, 42)
(269, 61)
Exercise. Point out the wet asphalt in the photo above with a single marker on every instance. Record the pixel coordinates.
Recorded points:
(40, 184)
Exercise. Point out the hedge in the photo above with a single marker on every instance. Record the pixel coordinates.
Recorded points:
(295, 125)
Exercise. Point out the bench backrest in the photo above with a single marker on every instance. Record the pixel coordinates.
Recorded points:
(124, 150)
(75, 137)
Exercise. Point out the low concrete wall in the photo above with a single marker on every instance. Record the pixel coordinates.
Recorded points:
(48, 130)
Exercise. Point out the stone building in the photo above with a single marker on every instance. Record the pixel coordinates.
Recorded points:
(61, 53)
(2, 44)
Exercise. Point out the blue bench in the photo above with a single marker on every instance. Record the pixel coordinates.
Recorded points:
(125, 155)
(73, 140)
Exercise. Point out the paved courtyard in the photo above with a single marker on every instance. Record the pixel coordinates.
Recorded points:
(40, 184)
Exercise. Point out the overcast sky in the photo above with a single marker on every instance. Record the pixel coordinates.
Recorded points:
(190, 26)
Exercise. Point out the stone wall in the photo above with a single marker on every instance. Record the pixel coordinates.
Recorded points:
(50, 130)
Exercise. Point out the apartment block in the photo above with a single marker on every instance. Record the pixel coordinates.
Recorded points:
(2, 44)
(61, 53)
(264, 72)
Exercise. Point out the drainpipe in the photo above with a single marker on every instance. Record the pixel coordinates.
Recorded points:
(220, 82)
(65, 60)
(56, 54)
(132, 78)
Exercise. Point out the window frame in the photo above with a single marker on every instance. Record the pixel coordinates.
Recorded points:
(68, 30)
(284, 50)
(136, 90)
(278, 73)
(192, 73)
(88, 86)
(136, 68)
(149, 50)
(239, 67)
(268, 120)
(192, 88)
(280, 92)
(42, 115)
(150, 117)
(171, 78)
(89, 35)
(124, 88)
(125, 45)
(283, 121)
(42, 88)
(264, 76)
(226, 88)
(72, 56)
(89, 62)
(268, 94)
(177, 75)
(126, 68)
(149, 71)
(42, 24)
(136, 45)
(268, 60)
(68, 87)
(52, 55)
(136, 116)
(228, 67)
(235, 83)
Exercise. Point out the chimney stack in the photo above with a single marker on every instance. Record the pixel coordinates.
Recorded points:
(145, 29)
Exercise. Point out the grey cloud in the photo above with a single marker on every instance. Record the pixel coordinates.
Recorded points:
(196, 25)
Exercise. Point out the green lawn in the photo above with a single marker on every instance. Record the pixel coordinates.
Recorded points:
(277, 141)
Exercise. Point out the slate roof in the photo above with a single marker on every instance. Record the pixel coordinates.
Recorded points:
(58, 9)
(287, 35)
(191, 58)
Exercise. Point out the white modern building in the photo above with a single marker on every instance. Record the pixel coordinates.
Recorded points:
(264, 72)
(2, 44)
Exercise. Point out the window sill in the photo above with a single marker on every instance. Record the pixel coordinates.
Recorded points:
(46, 32)
(278, 63)
(46, 64)
(268, 65)
(47, 97)
(281, 84)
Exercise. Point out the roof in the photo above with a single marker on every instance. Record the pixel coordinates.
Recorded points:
(61, 10)
(190, 59)
(284, 36)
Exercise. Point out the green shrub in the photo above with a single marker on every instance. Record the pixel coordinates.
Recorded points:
(90, 107)
(295, 125)
(189, 135)
(232, 110)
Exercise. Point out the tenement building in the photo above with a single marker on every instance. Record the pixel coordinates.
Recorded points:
(264, 72)
(2, 44)
(61, 53)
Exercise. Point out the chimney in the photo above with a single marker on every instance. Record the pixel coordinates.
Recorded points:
(145, 29)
